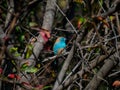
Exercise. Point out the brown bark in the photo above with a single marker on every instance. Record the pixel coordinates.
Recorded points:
(64, 68)
(47, 25)
(95, 82)
(92, 64)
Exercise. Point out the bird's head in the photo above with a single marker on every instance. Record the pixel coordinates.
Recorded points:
(62, 39)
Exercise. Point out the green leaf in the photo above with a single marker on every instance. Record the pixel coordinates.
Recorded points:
(25, 65)
(13, 62)
(22, 38)
(13, 49)
(17, 28)
(46, 87)
(33, 24)
(30, 69)
(89, 49)
(28, 54)
(29, 50)
(17, 54)
(82, 20)
(38, 65)
(30, 46)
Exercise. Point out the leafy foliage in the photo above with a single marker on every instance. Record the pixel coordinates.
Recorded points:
(92, 26)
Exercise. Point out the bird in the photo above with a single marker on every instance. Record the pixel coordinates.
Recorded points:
(59, 45)
(58, 48)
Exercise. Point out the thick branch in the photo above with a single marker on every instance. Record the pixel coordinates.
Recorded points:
(49, 15)
(10, 12)
(47, 24)
(92, 64)
(94, 83)
(113, 9)
(64, 68)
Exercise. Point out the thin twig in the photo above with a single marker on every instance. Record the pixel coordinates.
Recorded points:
(66, 18)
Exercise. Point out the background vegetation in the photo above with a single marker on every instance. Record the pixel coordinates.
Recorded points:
(29, 28)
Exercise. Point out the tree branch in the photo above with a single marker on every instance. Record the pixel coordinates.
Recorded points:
(64, 68)
(94, 83)
(92, 64)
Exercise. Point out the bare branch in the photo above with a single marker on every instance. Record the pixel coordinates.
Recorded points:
(64, 68)
(10, 12)
(111, 62)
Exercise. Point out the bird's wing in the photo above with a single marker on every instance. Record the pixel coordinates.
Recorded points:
(60, 50)
(56, 47)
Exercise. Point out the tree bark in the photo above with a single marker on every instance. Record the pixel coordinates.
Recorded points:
(92, 64)
(47, 25)
(95, 82)
(64, 68)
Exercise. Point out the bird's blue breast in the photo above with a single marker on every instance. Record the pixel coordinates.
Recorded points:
(58, 45)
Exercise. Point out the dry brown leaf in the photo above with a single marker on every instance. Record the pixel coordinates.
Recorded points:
(116, 83)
